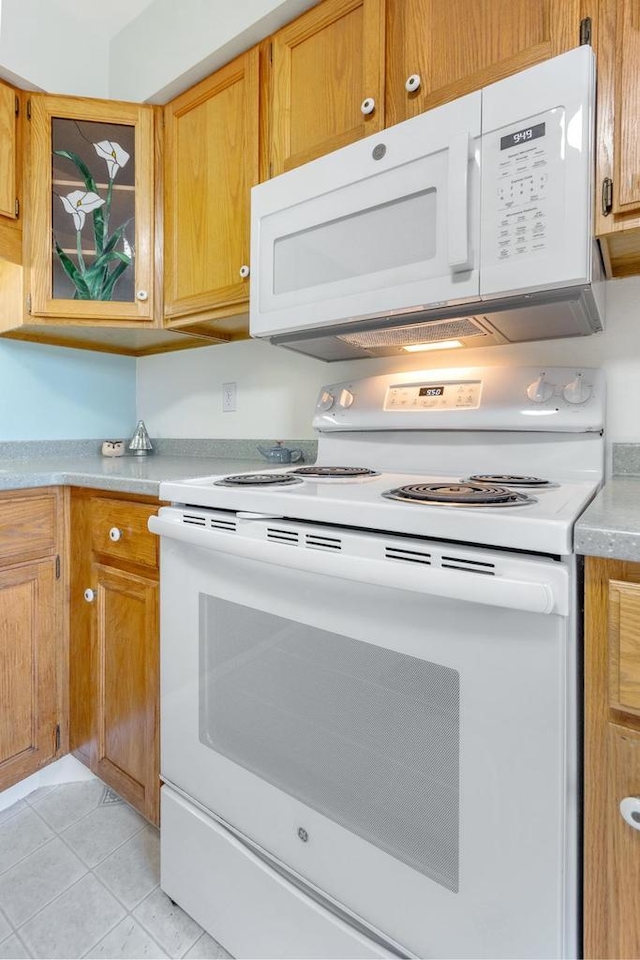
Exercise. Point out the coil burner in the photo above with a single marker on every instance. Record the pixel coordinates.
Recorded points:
(333, 472)
(509, 480)
(257, 480)
(466, 494)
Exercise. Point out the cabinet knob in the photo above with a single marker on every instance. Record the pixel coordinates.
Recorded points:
(115, 534)
(244, 271)
(89, 595)
(413, 83)
(630, 810)
(367, 106)
(142, 295)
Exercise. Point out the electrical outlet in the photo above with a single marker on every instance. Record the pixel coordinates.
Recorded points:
(228, 397)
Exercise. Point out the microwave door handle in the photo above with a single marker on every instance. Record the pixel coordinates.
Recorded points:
(458, 202)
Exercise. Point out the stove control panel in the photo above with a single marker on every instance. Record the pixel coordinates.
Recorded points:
(536, 399)
(460, 395)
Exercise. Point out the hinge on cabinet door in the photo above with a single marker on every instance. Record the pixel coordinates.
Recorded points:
(57, 737)
(28, 303)
(17, 106)
(585, 31)
(270, 170)
(271, 52)
(607, 196)
(28, 109)
(17, 208)
(58, 567)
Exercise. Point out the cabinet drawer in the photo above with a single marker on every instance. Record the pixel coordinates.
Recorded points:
(624, 646)
(27, 527)
(119, 530)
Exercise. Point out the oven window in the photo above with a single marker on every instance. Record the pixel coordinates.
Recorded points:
(383, 237)
(366, 736)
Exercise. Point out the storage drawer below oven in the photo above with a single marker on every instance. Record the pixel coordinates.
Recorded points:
(203, 868)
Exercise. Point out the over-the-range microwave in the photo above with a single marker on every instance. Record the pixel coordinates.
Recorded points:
(468, 225)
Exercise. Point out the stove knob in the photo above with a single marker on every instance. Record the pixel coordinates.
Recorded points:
(577, 391)
(327, 400)
(540, 390)
(346, 398)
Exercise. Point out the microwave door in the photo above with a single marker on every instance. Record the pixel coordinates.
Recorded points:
(385, 226)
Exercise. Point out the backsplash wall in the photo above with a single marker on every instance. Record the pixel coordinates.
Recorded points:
(52, 393)
(180, 394)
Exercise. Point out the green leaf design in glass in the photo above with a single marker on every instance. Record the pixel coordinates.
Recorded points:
(96, 281)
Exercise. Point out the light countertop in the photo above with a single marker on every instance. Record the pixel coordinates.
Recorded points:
(141, 475)
(610, 526)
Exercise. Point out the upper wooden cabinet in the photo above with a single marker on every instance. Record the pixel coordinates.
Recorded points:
(617, 198)
(9, 109)
(10, 174)
(456, 46)
(211, 163)
(325, 65)
(92, 209)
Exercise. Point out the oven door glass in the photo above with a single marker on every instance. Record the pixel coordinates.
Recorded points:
(407, 754)
(367, 736)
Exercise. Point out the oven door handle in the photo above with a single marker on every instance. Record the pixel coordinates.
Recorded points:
(548, 595)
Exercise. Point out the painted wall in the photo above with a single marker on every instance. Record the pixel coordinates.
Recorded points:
(180, 395)
(50, 393)
(42, 46)
(171, 46)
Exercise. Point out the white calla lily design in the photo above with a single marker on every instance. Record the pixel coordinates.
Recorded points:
(114, 155)
(79, 203)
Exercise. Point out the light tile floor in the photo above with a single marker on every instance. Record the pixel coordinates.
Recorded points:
(79, 875)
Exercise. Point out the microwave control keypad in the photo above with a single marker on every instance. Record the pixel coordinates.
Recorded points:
(434, 396)
(523, 190)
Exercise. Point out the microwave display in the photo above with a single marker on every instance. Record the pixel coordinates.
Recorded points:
(522, 136)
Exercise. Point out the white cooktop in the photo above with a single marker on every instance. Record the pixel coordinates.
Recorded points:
(443, 426)
(545, 526)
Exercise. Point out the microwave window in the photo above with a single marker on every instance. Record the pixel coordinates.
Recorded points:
(383, 237)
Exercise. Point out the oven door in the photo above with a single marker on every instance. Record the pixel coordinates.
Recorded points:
(383, 226)
(405, 751)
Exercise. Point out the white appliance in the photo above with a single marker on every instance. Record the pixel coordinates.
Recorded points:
(470, 224)
(369, 704)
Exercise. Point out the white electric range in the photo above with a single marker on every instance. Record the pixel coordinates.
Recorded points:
(370, 675)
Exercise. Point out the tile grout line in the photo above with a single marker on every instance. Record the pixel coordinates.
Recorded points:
(111, 929)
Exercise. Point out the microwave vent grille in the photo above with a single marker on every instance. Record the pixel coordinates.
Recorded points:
(417, 332)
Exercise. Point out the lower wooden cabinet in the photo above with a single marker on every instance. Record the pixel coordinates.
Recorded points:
(114, 647)
(32, 648)
(612, 759)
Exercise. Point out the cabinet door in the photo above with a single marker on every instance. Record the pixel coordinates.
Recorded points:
(28, 669)
(10, 179)
(126, 645)
(457, 46)
(8, 145)
(91, 215)
(617, 199)
(325, 64)
(211, 163)
(611, 758)
(620, 853)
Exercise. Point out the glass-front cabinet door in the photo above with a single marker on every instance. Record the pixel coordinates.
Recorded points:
(92, 209)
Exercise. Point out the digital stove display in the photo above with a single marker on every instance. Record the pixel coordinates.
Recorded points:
(459, 395)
